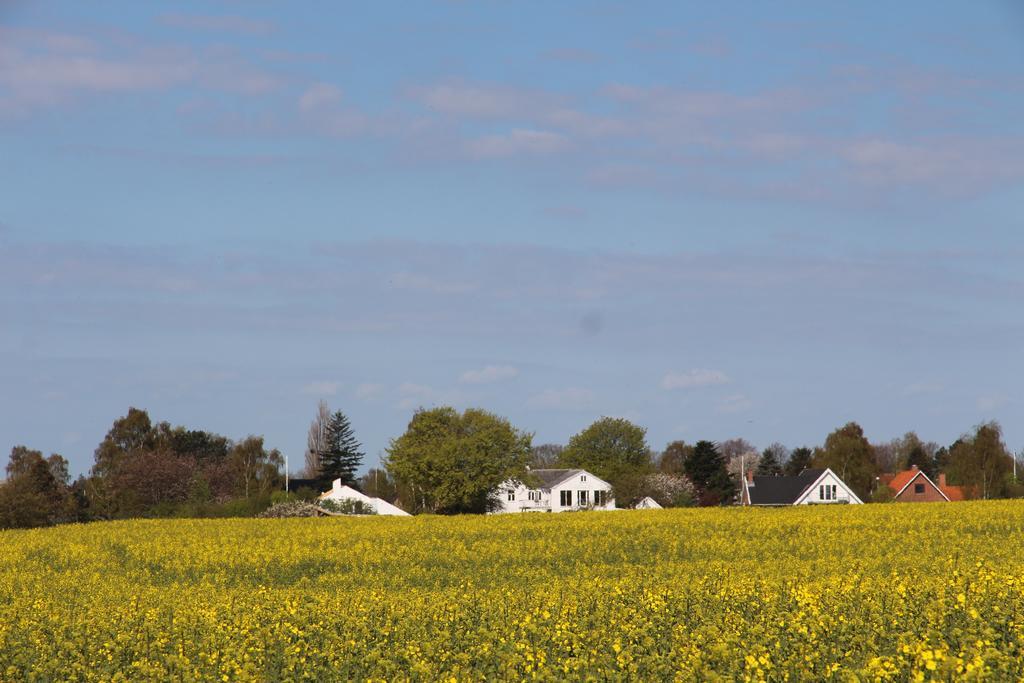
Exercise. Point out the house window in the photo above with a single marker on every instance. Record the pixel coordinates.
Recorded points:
(565, 498)
(834, 492)
(918, 488)
(827, 492)
(600, 498)
(511, 494)
(582, 498)
(821, 493)
(583, 477)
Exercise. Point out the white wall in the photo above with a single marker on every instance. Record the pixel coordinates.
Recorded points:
(550, 500)
(816, 496)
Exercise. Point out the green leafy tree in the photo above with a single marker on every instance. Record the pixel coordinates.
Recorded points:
(849, 454)
(981, 462)
(341, 456)
(447, 462)
(615, 450)
(129, 434)
(257, 470)
(706, 469)
(799, 460)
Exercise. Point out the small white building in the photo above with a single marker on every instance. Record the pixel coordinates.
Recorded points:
(647, 503)
(340, 493)
(555, 491)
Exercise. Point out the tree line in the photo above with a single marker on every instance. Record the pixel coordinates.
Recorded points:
(450, 462)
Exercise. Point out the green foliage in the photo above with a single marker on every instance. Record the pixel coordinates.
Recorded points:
(768, 464)
(848, 453)
(449, 462)
(883, 494)
(706, 469)
(377, 483)
(348, 506)
(613, 449)
(799, 460)
(920, 459)
(981, 462)
(341, 455)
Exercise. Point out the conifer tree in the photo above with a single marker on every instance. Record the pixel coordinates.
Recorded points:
(768, 465)
(341, 456)
(706, 468)
(799, 460)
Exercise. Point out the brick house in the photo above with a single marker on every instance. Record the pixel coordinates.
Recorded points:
(914, 486)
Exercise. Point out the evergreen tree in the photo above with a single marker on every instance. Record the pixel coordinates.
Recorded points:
(341, 456)
(799, 460)
(768, 465)
(924, 462)
(706, 468)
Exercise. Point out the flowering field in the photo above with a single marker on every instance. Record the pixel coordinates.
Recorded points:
(884, 592)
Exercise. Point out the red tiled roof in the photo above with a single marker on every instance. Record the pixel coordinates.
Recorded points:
(954, 493)
(901, 479)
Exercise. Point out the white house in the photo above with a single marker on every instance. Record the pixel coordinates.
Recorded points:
(810, 487)
(340, 493)
(555, 491)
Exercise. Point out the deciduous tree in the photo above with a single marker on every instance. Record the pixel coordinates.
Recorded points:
(615, 450)
(849, 454)
(452, 462)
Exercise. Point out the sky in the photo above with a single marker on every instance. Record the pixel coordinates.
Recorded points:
(717, 220)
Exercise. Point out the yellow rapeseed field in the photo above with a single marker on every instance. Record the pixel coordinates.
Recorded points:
(876, 592)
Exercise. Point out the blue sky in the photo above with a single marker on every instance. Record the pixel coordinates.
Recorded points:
(720, 220)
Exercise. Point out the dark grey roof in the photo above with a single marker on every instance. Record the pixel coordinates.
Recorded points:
(781, 490)
(548, 478)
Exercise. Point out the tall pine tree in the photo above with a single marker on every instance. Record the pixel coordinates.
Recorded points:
(341, 456)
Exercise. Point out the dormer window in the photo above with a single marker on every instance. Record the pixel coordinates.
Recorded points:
(583, 477)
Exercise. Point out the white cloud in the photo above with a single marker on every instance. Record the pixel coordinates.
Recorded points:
(692, 379)
(321, 388)
(491, 373)
(572, 398)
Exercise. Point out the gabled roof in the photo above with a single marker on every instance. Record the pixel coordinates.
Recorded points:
(782, 490)
(777, 490)
(549, 478)
(901, 480)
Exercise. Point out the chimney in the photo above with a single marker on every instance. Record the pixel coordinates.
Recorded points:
(942, 480)
(750, 477)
